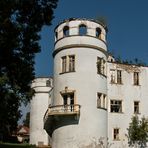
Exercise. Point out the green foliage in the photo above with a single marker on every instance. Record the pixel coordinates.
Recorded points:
(11, 145)
(27, 120)
(138, 132)
(20, 24)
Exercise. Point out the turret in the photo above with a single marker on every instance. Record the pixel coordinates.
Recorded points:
(39, 105)
(77, 116)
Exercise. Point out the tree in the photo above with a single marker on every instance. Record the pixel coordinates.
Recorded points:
(138, 132)
(26, 121)
(20, 24)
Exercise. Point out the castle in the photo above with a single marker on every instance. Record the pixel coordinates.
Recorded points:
(91, 98)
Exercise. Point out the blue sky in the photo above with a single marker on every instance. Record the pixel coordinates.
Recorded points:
(127, 24)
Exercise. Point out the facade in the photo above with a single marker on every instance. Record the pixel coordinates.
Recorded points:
(93, 97)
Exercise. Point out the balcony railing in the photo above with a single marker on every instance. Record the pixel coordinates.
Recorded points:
(62, 110)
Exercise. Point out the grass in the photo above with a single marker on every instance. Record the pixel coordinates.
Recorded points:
(13, 145)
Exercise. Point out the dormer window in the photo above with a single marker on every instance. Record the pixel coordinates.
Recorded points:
(82, 29)
(66, 31)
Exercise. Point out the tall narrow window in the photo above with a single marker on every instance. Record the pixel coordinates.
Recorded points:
(82, 29)
(68, 101)
(71, 63)
(112, 72)
(136, 107)
(104, 101)
(119, 77)
(136, 78)
(99, 100)
(98, 33)
(100, 66)
(64, 64)
(66, 31)
(65, 97)
(68, 63)
(116, 133)
(116, 106)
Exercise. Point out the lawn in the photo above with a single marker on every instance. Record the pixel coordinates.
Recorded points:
(12, 145)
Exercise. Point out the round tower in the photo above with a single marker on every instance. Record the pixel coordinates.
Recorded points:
(78, 113)
(38, 106)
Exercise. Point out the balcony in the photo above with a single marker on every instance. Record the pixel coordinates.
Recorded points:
(61, 115)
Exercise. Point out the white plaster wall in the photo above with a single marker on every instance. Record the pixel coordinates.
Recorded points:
(82, 40)
(74, 28)
(93, 121)
(39, 105)
(128, 93)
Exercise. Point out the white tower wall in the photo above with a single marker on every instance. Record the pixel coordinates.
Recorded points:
(91, 125)
(39, 105)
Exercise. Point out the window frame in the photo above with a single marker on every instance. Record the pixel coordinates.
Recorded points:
(136, 78)
(116, 132)
(98, 32)
(101, 100)
(101, 66)
(137, 111)
(64, 64)
(82, 29)
(65, 31)
(71, 63)
(119, 76)
(116, 105)
(68, 99)
(67, 64)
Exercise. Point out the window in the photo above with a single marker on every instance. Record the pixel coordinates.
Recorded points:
(116, 133)
(64, 65)
(136, 107)
(98, 33)
(68, 63)
(68, 101)
(82, 29)
(112, 72)
(115, 76)
(48, 83)
(116, 106)
(101, 100)
(66, 31)
(119, 77)
(71, 63)
(136, 78)
(100, 66)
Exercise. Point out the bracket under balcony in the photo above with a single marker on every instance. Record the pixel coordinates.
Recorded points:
(61, 115)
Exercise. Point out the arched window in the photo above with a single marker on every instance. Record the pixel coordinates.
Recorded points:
(82, 29)
(48, 83)
(98, 33)
(66, 31)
